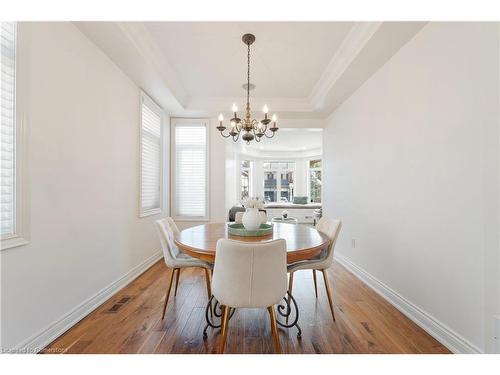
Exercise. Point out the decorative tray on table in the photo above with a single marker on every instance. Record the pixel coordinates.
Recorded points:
(239, 230)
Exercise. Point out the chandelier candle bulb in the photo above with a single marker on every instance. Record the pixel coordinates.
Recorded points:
(234, 108)
(221, 118)
(274, 119)
(265, 110)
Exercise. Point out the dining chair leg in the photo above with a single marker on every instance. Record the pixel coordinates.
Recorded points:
(290, 286)
(177, 281)
(168, 293)
(274, 329)
(328, 292)
(224, 321)
(209, 289)
(315, 283)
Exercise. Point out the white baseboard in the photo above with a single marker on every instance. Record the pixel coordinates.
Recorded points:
(438, 330)
(41, 339)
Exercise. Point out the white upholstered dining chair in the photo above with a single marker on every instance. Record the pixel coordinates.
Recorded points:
(331, 228)
(238, 217)
(249, 275)
(175, 259)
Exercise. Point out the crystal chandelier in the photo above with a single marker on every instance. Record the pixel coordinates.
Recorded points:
(249, 128)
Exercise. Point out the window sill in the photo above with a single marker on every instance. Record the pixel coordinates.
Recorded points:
(156, 211)
(183, 218)
(9, 243)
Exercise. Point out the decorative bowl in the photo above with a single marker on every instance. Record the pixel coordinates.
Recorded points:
(239, 230)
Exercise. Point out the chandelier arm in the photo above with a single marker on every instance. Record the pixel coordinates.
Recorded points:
(222, 133)
(267, 136)
(235, 138)
(257, 139)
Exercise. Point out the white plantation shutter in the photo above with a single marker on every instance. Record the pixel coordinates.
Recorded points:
(8, 128)
(151, 154)
(190, 178)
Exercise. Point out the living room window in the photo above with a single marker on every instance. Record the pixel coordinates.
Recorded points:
(315, 180)
(190, 169)
(279, 181)
(246, 173)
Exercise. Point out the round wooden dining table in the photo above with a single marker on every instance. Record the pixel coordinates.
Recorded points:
(303, 242)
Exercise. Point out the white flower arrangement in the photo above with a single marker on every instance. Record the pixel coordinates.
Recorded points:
(252, 203)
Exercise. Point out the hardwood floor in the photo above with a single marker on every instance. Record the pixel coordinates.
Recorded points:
(130, 322)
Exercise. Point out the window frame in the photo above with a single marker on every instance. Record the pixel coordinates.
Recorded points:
(145, 98)
(278, 171)
(309, 170)
(21, 235)
(174, 121)
(250, 179)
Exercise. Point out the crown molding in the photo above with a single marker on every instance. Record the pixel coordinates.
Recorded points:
(366, 47)
(223, 104)
(137, 34)
(352, 45)
(262, 154)
(357, 38)
(130, 46)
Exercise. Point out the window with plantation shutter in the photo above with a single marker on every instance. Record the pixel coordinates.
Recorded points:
(151, 157)
(14, 209)
(190, 169)
(8, 130)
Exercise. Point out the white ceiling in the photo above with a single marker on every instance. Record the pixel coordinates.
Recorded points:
(287, 58)
(302, 70)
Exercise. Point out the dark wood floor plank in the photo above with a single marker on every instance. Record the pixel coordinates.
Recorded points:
(130, 321)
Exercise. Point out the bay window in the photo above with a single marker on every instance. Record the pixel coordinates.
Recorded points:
(279, 181)
(245, 174)
(315, 180)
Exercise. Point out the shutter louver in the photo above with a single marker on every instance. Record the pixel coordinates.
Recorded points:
(191, 171)
(8, 128)
(150, 158)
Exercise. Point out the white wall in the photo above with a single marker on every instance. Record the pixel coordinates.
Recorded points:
(84, 184)
(411, 167)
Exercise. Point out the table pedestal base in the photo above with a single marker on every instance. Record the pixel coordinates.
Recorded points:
(288, 310)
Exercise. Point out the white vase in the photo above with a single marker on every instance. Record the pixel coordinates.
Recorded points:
(251, 219)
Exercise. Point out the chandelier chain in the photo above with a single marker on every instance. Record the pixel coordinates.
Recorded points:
(248, 76)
